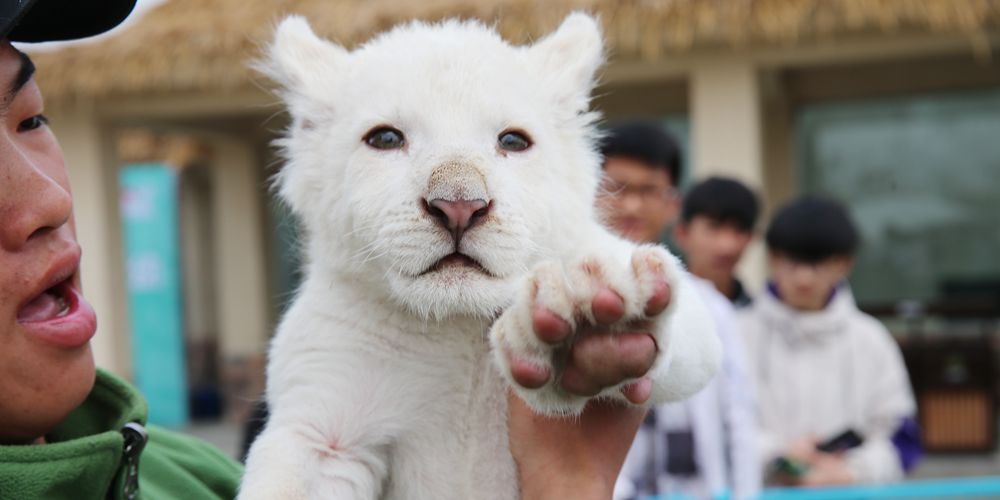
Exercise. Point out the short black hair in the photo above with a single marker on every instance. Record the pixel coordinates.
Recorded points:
(813, 229)
(644, 141)
(723, 200)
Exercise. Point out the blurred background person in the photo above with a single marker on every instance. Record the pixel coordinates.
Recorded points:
(704, 446)
(834, 396)
(642, 168)
(717, 222)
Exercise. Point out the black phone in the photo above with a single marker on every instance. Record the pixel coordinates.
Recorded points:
(841, 442)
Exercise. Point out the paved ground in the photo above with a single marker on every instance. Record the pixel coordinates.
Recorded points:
(937, 466)
(223, 435)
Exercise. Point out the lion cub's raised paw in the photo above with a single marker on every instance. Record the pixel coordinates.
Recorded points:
(560, 304)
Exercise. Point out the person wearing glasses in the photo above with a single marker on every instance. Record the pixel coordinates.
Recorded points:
(703, 447)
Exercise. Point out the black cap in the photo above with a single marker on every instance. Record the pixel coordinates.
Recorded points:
(53, 20)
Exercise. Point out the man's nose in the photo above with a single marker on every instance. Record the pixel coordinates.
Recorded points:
(730, 241)
(457, 216)
(805, 273)
(32, 203)
(630, 204)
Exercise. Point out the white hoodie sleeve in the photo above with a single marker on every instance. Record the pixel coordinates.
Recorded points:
(889, 400)
(876, 461)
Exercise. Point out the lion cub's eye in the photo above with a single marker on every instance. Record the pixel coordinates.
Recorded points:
(385, 138)
(513, 140)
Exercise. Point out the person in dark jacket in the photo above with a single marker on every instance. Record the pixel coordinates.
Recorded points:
(717, 221)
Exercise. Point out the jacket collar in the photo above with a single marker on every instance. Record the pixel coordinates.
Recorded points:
(112, 403)
(83, 455)
(797, 326)
(739, 296)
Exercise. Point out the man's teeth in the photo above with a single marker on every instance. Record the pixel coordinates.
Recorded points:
(50, 304)
(63, 306)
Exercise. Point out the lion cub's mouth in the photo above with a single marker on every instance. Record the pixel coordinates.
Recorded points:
(456, 260)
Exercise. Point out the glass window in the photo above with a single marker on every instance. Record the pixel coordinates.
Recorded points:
(921, 175)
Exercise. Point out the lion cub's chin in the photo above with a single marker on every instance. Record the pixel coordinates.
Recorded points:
(453, 289)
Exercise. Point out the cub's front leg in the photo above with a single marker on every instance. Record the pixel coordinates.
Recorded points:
(316, 448)
(330, 428)
(639, 292)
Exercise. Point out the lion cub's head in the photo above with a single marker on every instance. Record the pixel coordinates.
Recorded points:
(438, 161)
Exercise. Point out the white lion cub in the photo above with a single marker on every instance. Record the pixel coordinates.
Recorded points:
(446, 181)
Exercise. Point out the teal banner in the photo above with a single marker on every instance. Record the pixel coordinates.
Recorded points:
(156, 317)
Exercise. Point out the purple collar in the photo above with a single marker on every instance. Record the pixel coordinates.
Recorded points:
(772, 288)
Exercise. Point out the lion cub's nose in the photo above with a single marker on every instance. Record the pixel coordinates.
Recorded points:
(457, 216)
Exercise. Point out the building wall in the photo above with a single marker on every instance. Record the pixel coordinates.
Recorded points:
(235, 273)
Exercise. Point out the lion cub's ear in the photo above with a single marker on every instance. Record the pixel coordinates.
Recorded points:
(305, 66)
(569, 58)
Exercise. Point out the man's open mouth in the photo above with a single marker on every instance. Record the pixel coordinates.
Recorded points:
(55, 302)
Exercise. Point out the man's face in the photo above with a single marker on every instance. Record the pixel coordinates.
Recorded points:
(46, 367)
(712, 248)
(807, 286)
(638, 200)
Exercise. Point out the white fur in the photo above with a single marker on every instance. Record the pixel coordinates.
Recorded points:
(387, 381)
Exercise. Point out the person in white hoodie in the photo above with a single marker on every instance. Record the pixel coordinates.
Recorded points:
(703, 447)
(835, 402)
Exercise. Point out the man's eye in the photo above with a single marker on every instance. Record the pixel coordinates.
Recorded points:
(385, 138)
(32, 123)
(513, 140)
(611, 186)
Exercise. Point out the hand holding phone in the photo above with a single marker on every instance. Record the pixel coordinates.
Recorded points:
(795, 468)
(841, 442)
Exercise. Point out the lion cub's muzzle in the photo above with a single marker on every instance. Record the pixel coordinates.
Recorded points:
(457, 198)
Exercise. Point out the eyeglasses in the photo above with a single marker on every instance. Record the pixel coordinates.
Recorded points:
(617, 191)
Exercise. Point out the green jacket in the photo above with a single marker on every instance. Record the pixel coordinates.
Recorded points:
(86, 457)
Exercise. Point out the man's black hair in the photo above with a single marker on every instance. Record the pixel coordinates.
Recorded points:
(812, 229)
(644, 141)
(723, 200)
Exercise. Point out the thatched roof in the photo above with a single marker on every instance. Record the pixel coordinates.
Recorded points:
(193, 45)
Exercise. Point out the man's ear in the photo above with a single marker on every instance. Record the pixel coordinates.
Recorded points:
(674, 207)
(304, 65)
(569, 58)
(846, 264)
(772, 260)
